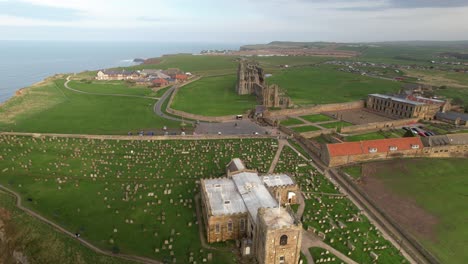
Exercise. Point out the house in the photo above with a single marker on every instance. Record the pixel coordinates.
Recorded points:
(353, 152)
(181, 77)
(172, 72)
(159, 82)
(118, 75)
(458, 119)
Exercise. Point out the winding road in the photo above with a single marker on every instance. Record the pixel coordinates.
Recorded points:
(158, 107)
(70, 234)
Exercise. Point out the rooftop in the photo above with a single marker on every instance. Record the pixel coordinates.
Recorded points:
(223, 197)
(277, 180)
(372, 146)
(276, 218)
(398, 99)
(253, 192)
(452, 116)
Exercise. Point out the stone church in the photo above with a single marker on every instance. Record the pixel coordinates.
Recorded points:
(247, 207)
(251, 80)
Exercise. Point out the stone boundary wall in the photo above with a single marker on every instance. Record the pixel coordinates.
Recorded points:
(143, 138)
(378, 125)
(316, 109)
(194, 116)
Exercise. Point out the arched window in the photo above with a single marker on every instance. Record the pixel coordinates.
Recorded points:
(283, 240)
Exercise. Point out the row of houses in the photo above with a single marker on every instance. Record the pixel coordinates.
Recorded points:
(339, 154)
(150, 77)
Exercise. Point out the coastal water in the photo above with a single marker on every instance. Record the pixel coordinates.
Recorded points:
(23, 63)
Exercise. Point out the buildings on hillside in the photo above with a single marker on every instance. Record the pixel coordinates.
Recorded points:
(247, 207)
(150, 77)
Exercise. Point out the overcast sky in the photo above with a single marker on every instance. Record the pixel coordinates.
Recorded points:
(238, 21)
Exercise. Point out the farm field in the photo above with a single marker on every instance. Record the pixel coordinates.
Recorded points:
(134, 197)
(40, 242)
(334, 217)
(317, 118)
(302, 129)
(50, 108)
(324, 85)
(427, 197)
(213, 96)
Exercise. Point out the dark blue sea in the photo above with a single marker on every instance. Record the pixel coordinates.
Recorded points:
(23, 63)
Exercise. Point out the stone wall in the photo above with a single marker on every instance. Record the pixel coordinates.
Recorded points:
(282, 192)
(315, 109)
(378, 125)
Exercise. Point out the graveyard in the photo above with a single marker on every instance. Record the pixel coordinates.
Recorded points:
(132, 197)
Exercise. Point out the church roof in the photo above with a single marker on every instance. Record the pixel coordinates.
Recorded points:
(223, 197)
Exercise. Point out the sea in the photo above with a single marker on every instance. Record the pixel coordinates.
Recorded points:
(23, 63)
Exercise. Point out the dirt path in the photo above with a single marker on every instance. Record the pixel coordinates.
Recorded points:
(70, 234)
(281, 144)
(104, 94)
(309, 240)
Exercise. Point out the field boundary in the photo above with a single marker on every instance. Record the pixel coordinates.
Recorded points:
(316, 109)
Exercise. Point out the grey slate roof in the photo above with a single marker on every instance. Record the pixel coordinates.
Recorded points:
(219, 192)
(452, 116)
(398, 99)
(274, 180)
(458, 139)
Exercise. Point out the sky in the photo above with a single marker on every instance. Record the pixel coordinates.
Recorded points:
(234, 21)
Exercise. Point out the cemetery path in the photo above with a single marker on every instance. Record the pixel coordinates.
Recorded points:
(309, 240)
(281, 144)
(105, 94)
(70, 234)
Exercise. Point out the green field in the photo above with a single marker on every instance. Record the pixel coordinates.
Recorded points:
(50, 108)
(324, 85)
(338, 124)
(111, 87)
(394, 133)
(291, 121)
(317, 118)
(213, 96)
(302, 129)
(129, 196)
(39, 242)
(439, 186)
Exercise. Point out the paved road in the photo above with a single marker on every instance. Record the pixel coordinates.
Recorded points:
(70, 234)
(105, 94)
(158, 107)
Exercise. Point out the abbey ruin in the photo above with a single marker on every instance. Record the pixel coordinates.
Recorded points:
(251, 80)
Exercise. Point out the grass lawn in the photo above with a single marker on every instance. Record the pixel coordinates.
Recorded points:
(439, 186)
(213, 96)
(317, 118)
(353, 171)
(41, 243)
(323, 85)
(129, 196)
(51, 108)
(336, 124)
(291, 121)
(367, 136)
(111, 87)
(302, 129)
(320, 254)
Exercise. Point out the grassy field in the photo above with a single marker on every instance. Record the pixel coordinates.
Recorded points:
(326, 209)
(128, 196)
(50, 108)
(439, 186)
(320, 255)
(317, 118)
(213, 96)
(395, 133)
(111, 87)
(291, 121)
(324, 84)
(302, 129)
(39, 242)
(338, 124)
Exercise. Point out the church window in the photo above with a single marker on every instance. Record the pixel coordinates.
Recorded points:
(242, 225)
(217, 228)
(281, 260)
(229, 226)
(283, 240)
